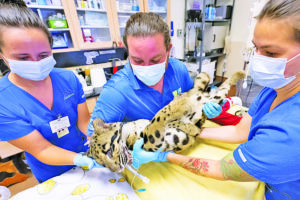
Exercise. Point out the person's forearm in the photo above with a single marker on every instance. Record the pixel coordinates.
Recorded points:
(224, 169)
(227, 134)
(83, 117)
(203, 167)
(53, 155)
(230, 134)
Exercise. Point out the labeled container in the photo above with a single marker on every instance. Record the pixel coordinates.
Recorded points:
(58, 23)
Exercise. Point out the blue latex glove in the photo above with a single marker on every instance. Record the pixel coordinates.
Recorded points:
(85, 162)
(162, 156)
(212, 110)
(224, 101)
(141, 156)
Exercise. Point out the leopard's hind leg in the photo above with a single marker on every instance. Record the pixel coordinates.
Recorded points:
(174, 131)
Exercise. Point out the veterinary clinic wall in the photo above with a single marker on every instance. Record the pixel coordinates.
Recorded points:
(238, 38)
(243, 24)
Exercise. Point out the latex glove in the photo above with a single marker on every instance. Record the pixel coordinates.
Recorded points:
(162, 156)
(85, 162)
(141, 156)
(224, 101)
(212, 110)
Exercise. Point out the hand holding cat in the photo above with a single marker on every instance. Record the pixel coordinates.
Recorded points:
(212, 109)
(141, 156)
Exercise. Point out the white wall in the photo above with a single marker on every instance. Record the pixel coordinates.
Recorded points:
(177, 16)
(239, 36)
(243, 24)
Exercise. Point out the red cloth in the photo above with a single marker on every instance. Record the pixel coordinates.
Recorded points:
(226, 118)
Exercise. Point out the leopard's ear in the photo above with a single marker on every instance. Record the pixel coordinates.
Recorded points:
(99, 124)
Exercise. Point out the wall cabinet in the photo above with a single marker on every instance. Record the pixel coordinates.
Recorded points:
(161, 7)
(91, 24)
(54, 16)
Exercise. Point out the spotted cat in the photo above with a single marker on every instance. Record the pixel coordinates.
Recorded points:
(174, 127)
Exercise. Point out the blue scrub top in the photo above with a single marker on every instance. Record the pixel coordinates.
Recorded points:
(125, 98)
(273, 149)
(21, 113)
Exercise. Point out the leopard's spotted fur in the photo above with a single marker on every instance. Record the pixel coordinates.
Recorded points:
(174, 127)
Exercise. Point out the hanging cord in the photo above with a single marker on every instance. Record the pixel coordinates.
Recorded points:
(137, 174)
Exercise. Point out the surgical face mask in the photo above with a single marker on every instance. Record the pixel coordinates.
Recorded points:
(32, 70)
(269, 72)
(150, 75)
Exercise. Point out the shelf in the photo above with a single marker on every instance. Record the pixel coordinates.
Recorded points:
(213, 55)
(63, 50)
(45, 7)
(91, 26)
(58, 29)
(91, 10)
(159, 11)
(217, 20)
(127, 12)
(208, 57)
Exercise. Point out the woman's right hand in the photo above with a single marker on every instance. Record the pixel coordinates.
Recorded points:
(86, 162)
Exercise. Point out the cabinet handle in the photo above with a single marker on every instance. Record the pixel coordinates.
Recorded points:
(214, 38)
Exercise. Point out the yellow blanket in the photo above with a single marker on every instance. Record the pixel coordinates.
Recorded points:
(169, 181)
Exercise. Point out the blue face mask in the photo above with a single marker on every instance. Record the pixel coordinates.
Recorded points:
(32, 70)
(269, 72)
(150, 75)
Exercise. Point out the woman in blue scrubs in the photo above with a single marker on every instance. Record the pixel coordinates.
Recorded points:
(42, 109)
(270, 132)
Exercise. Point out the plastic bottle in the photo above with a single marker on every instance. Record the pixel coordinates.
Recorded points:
(207, 12)
(135, 6)
(212, 12)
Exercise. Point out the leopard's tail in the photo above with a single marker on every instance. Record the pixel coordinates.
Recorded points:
(222, 91)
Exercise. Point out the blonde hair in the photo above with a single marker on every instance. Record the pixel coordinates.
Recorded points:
(283, 10)
(146, 24)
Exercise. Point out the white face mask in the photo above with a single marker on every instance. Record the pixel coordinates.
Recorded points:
(32, 70)
(151, 74)
(269, 72)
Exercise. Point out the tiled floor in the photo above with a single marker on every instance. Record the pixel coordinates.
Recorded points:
(18, 187)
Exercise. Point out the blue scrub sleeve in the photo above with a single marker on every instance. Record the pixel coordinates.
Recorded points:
(110, 106)
(13, 127)
(271, 156)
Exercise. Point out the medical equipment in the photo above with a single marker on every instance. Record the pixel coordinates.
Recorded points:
(143, 178)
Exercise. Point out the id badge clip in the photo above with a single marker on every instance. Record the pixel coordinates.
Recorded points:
(60, 126)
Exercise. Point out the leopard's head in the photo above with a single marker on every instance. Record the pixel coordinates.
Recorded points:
(107, 146)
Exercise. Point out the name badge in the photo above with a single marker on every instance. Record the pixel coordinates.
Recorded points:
(60, 126)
